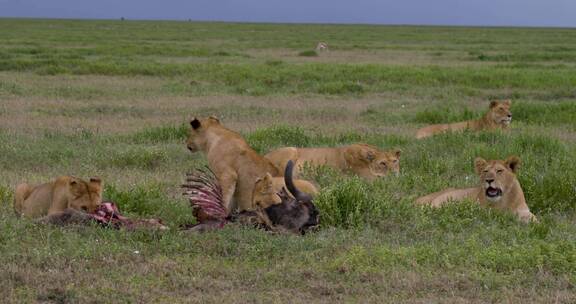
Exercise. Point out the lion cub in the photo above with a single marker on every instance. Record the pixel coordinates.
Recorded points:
(235, 164)
(499, 189)
(363, 160)
(266, 190)
(56, 196)
(497, 117)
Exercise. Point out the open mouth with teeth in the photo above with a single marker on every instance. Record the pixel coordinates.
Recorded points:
(493, 192)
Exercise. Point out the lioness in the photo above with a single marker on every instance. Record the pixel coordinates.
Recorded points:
(266, 190)
(56, 196)
(235, 164)
(499, 189)
(361, 159)
(498, 116)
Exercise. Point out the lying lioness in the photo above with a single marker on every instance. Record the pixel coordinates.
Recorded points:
(235, 164)
(363, 160)
(499, 189)
(498, 116)
(267, 188)
(56, 196)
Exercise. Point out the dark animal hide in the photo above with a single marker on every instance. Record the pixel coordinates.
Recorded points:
(295, 215)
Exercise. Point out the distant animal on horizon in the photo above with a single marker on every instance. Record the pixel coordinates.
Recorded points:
(321, 47)
(499, 189)
(498, 116)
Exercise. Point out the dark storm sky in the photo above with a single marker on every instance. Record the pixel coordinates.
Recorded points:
(440, 12)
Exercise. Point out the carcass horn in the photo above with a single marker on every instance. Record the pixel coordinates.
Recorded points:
(299, 195)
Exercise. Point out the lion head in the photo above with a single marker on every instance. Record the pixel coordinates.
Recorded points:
(370, 162)
(264, 195)
(499, 112)
(266, 190)
(85, 196)
(498, 177)
(196, 137)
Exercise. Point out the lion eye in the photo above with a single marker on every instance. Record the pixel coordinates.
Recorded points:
(485, 171)
(500, 171)
(383, 164)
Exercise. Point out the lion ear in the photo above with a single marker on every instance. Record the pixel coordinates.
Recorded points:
(369, 155)
(214, 118)
(268, 177)
(397, 152)
(265, 181)
(96, 184)
(493, 103)
(479, 164)
(507, 102)
(513, 162)
(268, 183)
(75, 187)
(195, 123)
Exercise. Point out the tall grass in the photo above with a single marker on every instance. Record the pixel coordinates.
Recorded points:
(290, 78)
(348, 204)
(160, 134)
(149, 200)
(276, 136)
(548, 113)
(5, 195)
(444, 115)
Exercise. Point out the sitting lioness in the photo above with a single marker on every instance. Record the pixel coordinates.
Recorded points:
(267, 188)
(499, 189)
(498, 116)
(363, 160)
(235, 164)
(56, 196)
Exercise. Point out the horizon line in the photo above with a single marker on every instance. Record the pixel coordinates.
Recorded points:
(288, 22)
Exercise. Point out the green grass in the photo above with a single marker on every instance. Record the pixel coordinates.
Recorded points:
(278, 136)
(114, 98)
(160, 134)
(444, 115)
(308, 53)
(313, 78)
(550, 113)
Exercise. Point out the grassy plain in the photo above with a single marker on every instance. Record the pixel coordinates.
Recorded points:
(112, 99)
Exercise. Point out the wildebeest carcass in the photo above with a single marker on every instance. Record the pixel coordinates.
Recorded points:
(295, 215)
(106, 215)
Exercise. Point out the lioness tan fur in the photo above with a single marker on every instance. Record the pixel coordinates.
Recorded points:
(363, 160)
(267, 188)
(497, 117)
(499, 189)
(236, 165)
(56, 196)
